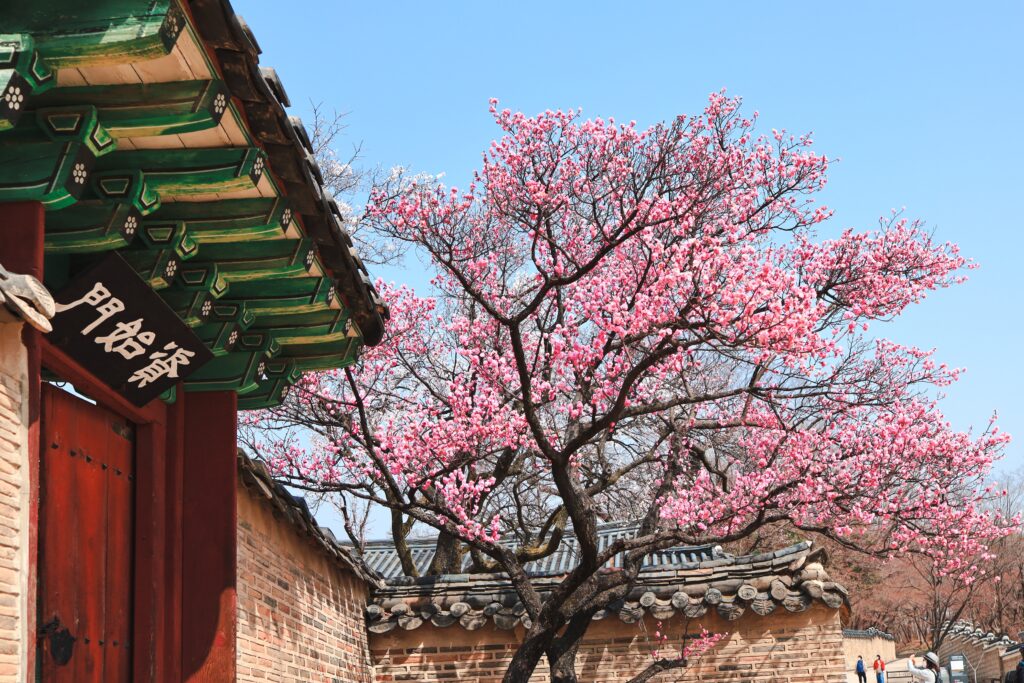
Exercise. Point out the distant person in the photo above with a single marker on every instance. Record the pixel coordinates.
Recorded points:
(879, 667)
(931, 673)
(862, 673)
(1017, 675)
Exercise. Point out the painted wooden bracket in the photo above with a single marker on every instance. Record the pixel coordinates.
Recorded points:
(24, 75)
(241, 369)
(158, 254)
(278, 378)
(225, 323)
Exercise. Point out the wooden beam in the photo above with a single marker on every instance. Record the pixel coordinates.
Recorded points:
(86, 383)
(152, 571)
(172, 626)
(191, 172)
(54, 173)
(76, 33)
(232, 220)
(280, 375)
(147, 109)
(240, 370)
(210, 515)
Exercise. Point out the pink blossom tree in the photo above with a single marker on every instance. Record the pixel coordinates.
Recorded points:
(643, 320)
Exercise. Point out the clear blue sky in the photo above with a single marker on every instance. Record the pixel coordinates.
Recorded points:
(921, 101)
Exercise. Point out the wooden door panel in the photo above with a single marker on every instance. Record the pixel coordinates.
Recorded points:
(58, 592)
(86, 540)
(117, 633)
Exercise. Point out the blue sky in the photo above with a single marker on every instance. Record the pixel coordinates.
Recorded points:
(922, 102)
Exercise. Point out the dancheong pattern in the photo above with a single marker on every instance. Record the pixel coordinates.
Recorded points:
(138, 139)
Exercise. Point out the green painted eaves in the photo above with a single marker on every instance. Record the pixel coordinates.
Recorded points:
(231, 221)
(148, 109)
(84, 32)
(185, 172)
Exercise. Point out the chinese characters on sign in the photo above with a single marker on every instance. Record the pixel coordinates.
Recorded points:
(110, 321)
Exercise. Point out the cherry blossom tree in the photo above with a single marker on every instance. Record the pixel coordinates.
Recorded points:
(655, 318)
(920, 605)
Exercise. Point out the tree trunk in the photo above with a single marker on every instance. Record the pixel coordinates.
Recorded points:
(447, 555)
(525, 660)
(563, 664)
(398, 533)
(562, 652)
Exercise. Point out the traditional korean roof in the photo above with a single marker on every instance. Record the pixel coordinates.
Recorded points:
(871, 632)
(382, 558)
(293, 509)
(1002, 641)
(148, 127)
(791, 579)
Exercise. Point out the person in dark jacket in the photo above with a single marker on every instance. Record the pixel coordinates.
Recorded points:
(862, 672)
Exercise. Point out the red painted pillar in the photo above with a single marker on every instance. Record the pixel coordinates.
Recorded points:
(209, 519)
(21, 251)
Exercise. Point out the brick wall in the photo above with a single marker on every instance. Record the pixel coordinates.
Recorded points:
(784, 647)
(14, 504)
(300, 614)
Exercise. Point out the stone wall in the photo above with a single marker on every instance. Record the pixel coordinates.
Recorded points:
(14, 503)
(988, 655)
(867, 644)
(300, 613)
(784, 647)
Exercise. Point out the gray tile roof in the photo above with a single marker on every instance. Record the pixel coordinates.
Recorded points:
(871, 632)
(382, 558)
(791, 579)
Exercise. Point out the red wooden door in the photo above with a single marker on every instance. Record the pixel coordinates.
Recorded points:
(86, 541)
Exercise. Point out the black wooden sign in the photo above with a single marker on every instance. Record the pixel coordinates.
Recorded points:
(109, 320)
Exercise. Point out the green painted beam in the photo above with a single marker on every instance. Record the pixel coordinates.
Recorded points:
(225, 322)
(53, 173)
(50, 155)
(129, 187)
(170, 235)
(279, 376)
(324, 354)
(239, 370)
(157, 267)
(233, 220)
(185, 172)
(159, 251)
(204, 276)
(286, 296)
(24, 75)
(107, 216)
(81, 33)
(192, 306)
(329, 359)
(331, 325)
(261, 260)
(91, 226)
(147, 109)
(79, 123)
